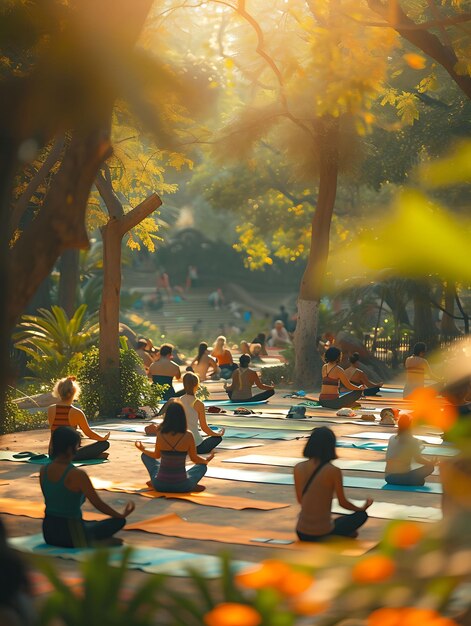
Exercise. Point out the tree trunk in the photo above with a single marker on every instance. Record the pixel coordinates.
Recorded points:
(307, 359)
(60, 224)
(68, 281)
(109, 315)
(448, 327)
(424, 326)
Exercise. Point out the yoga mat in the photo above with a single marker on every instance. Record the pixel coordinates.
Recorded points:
(204, 497)
(389, 510)
(8, 455)
(230, 403)
(289, 461)
(226, 445)
(380, 447)
(173, 525)
(387, 436)
(145, 558)
(275, 478)
(30, 508)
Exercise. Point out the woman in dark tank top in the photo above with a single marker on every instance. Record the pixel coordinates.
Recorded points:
(172, 446)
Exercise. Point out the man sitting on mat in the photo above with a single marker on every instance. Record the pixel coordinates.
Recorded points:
(243, 378)
(403, 449)
(163, 371)
(64, 414)
(65, 488)
(316, 482)
(358, 377)
(332, 376)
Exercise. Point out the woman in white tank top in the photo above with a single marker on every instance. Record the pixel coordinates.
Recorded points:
(196, 416)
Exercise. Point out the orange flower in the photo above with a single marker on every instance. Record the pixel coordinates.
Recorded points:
(373, 569)
(277, 575)
(408, 616)
(232, 614)
(415, 61)
(306, 606)
(429, 408)
(405, 535)
(267, 574)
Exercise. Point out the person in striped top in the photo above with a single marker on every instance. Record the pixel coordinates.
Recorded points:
(65, 414)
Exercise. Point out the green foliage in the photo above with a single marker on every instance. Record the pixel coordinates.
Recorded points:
(54, 342)
(105, 598)
(131, 389)
(278, 374)
(16, 419)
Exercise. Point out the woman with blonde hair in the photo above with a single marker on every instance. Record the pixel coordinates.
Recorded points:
(65, 414)
(224, 357)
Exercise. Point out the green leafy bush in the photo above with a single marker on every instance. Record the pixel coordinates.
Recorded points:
(16, 419)
(132, 389)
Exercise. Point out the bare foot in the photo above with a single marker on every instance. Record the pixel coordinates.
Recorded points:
(198, 489)
(149, 484)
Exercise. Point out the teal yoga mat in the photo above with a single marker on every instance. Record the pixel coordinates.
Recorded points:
(145, 558)
(8, 455)
(289, 461)
(275, 478)
(381, 447)
(230, 403)
(390, 510)
(387, 436)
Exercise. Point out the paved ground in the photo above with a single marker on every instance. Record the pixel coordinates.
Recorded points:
(125, 465)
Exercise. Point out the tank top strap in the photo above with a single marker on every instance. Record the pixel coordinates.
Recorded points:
(169, 444)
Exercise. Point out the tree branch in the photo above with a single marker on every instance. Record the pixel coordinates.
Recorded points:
(426, 42)
(139, 213)
(23, 201)
(106, 191)
(438, 23)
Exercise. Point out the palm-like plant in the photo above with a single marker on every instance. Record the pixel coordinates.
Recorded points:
(52, 340)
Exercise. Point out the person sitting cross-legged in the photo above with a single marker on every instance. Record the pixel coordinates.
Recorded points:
(243, 378)
(332, 376)
(166, 463)
(65, 488)
(195, 416)
(403, 449)
(65, 414)
(316, 482)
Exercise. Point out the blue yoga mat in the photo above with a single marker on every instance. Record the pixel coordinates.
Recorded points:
(381, 447)
(145, 558)
(276, 478)
(230, 403)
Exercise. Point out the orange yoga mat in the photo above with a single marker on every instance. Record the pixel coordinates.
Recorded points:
(29, 508)
(173, 525)
(204, 498)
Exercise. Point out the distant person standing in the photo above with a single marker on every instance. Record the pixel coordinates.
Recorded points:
(279, 337)
(163, 284)
(417, 369)
(192, 278)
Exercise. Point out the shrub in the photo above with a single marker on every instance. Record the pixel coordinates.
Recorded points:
(16, 419)
(132, 389)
